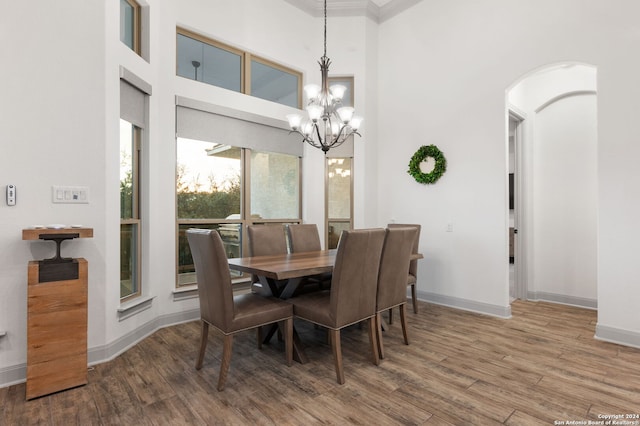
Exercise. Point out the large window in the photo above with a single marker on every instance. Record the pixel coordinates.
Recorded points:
(133, 122)
(218, 64)
(130, 24)
(339, 199)
(226, 188)
(130, 136)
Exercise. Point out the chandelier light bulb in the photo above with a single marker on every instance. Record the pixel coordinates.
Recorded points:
(294, 121)
(315, 112)
(337, 91)
(355, 123)
(312, 91)
(345, 114)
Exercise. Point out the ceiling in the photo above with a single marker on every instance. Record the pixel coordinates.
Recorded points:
(378, 10)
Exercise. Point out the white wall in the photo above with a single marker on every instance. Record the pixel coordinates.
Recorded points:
(52, 118)
(444, 70)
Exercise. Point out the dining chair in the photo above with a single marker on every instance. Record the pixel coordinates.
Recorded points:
(352, 297)
(221, 309)
(392, 278)
(412, 278)
(305, 237)
(265, 240)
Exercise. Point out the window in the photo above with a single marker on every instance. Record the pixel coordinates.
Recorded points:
(274, 83)
(133, 121)
(130, 136)
(218, 64)
(339, 179)
(339, 199)
(231, 171)
(130, 24)
(210, 190)
(215, 64)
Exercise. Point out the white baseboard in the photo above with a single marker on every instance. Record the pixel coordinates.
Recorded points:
(618, 336)
(581, 302)
(466, 305)
(18, 373)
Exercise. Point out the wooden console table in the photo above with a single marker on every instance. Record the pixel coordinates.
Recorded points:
(56, 316)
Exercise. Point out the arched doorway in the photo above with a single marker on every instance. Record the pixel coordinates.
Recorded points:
(555, 185)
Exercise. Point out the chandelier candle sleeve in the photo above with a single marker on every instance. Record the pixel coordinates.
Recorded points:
(328, 123)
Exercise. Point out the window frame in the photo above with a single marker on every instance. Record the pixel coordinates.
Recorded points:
(135, 218)
(245, 215)
(245, 63)
(329, 220)
(137, 27)
(134, 110)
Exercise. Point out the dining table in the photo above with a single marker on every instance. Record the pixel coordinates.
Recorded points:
(282, 274)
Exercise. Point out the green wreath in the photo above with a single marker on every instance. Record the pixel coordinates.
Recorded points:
(421, 155)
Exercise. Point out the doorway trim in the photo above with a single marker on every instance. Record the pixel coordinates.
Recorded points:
(520, 238)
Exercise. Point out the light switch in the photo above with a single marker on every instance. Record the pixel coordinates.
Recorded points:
(70, 194)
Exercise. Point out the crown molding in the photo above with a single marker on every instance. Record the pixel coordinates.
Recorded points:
(354, 8)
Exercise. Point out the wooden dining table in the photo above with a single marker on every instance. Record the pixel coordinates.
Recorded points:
(282, 274)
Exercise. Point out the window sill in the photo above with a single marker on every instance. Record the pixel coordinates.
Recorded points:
(134, 307)
(185, 293)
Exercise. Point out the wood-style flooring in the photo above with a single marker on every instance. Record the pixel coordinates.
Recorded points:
(541, 367)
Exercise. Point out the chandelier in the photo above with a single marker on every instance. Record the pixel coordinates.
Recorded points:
(328, 124)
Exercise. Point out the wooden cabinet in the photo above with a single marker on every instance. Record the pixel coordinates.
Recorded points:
(56, 322)
(56, 332)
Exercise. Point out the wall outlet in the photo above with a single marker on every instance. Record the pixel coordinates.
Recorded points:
(449, 227)
(70, 194)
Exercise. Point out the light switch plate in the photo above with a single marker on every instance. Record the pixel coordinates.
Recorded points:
(70, 194)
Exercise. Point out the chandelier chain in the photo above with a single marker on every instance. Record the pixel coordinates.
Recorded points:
(325, 28)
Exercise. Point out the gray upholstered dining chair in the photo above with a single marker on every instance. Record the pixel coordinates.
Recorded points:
(392, 278)
(352, 297)
(221, 309)
(265, 240)
(412, 278)
(305, 237)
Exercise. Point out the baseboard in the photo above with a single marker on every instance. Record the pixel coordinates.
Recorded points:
(18, 373)
(13, 375)
(618, 336)
(108, 352)
(581, 302)
(466, 305)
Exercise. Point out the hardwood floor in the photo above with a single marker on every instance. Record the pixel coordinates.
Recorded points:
(541, 366)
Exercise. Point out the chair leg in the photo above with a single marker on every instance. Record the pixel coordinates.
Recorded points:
(373, 338)
(403, 320)
(259, 336)
(226, 360)
(337, 354)
(414, 298)
(378, 331)
(390, 316)
(288, 340)
(204, 335)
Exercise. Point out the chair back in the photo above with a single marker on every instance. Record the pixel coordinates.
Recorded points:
(266, 239)
(303, 237)
(355, 276)
(413, 265)
(394, 267)
(214, 279)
